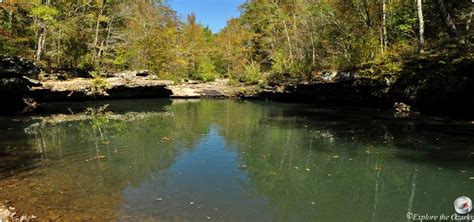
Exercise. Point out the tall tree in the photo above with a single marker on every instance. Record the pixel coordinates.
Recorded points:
(421, 25)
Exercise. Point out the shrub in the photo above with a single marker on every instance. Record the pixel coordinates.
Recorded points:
(252, 73)
(99, 84)
(206, 71)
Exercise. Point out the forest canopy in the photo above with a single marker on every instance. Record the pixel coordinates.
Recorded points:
(272, 39)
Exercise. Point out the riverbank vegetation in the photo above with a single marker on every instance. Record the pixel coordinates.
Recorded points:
(272, 41)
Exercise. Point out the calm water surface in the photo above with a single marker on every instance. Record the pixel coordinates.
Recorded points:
(225, 160)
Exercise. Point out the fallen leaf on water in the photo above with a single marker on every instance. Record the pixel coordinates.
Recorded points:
(273, 173)
(165, 139)
(335, 157)
(471, 178)
(98, 157)
(313, 203)
(296, 168)
(307, 169)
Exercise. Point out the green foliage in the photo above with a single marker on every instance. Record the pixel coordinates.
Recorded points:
(206, 71)
(86, 62)
(45, 13)
(252, 73)
(99, 84)
(287, 39)
(377, 71)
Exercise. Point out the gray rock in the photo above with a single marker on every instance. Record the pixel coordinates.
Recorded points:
(344, 76)
(13, 66)
(328, 75)
(401, 107)
(15, 85)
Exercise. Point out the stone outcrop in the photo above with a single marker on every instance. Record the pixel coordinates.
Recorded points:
(15, 84)
(335, 89)
(114, 88)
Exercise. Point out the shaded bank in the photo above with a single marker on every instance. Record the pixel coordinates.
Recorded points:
(431, 84)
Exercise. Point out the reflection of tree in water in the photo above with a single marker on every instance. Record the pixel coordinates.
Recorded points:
(308, 164)
(94, 155)
(354, 170)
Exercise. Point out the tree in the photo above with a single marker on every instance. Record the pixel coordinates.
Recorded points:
(446, 19)
(44, 16)
(421, 25)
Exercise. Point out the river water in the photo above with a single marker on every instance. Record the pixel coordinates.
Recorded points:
(228, 160)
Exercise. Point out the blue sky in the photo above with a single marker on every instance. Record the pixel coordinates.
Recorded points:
(212, 13)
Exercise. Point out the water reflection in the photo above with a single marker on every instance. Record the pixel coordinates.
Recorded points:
(234, 161)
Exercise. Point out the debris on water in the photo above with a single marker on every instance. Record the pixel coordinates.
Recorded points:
(191, 202)
(98, 157)
(335, 157)
(180, 173)
(367, 151)
(10, 214)
(165, 139)
(471, 178)
(208, 218)
(296, 168)
(329, 174)
(159, 199)
(273, 173)
(350, 158)
(243, 166)
(439, 168)
(377, 168)
(463, 171)
(313, 203)
(307, 169)
(115, 151)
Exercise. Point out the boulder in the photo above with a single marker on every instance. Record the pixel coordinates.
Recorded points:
(15, 85)
(13, 66)
(401, 108)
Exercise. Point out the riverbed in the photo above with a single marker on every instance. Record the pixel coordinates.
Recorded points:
(231, 160)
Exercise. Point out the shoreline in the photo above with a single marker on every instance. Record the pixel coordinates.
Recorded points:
(355, 92)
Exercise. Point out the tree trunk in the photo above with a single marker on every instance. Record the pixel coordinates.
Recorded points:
(97, 27)
(469, 20)
(289, 41)
(368, 20)
(384, 25)
(447, 20)
(41, 42)
(421, 24)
